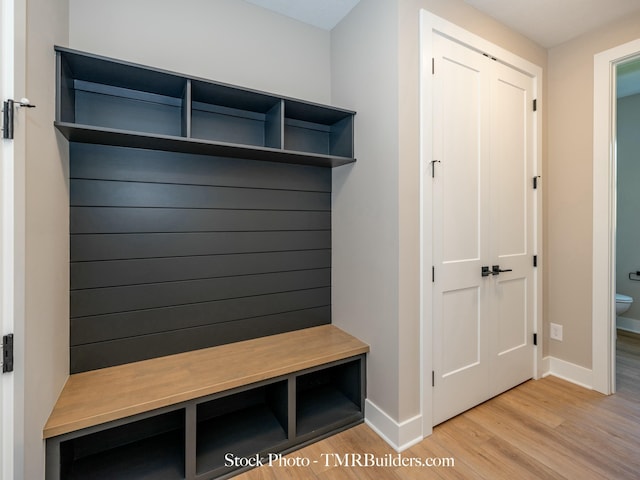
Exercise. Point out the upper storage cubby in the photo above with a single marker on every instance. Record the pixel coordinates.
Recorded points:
(225, 114)
(317, 129)
(111, 102)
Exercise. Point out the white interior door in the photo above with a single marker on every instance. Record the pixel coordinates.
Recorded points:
(6, 242)
(460, 238)
(511, 228)
(482, 217)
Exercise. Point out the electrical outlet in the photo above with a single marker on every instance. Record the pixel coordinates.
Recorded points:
(556, 332)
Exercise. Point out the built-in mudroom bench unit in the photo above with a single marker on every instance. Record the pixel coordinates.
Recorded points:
(200, 275)
(178, 416)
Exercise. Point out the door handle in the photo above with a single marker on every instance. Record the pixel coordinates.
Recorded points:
(495, 270)
(486, 272)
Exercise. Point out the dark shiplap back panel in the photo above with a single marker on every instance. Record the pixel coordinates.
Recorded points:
(174, 252)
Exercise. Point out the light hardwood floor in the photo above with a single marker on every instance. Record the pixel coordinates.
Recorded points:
(544, 429)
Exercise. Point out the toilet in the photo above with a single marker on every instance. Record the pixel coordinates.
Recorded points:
(623, 303)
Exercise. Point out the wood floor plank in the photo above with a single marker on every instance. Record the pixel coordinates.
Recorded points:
(431, 448)
(518, 398)
(478, 454)
(543, 429)
(535, 440)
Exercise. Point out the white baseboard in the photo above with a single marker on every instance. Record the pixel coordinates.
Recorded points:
(568, 371)
(399, 436)
(628, 324)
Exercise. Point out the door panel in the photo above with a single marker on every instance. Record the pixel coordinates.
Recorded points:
(511, 237)
(511, 315)
(509, 165)
(459, 241)
(461, 330)
(482, 137)
(460, 358)
(461, 118)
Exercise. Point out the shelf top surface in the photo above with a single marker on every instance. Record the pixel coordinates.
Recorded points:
(99, 396)
(127, 138)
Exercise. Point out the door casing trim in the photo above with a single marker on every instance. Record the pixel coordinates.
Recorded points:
(604, 213)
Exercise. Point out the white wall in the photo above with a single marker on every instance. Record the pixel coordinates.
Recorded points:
(569, 187)
(628, 222)
(365, 195)
(376, 206)
(229, 41)
(43, 333)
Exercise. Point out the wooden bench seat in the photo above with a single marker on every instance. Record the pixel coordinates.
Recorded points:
(100, 396)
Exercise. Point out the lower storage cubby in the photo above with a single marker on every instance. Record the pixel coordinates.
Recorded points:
(328, 398)
(149, 449)
(234, 428)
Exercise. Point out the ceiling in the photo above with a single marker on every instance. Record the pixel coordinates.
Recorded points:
(324, 14)
(552, 22)
(547, 22)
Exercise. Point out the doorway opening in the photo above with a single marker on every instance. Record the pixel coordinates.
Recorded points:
(627, 258)
(605, 212)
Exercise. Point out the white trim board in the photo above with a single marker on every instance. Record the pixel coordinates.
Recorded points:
(399, 436)
(568, 371)
(604, 213)
(7, 242)
(628, 324)
(430, 24)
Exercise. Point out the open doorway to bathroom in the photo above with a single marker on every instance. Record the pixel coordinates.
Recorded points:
(603, 315)
(627, 265)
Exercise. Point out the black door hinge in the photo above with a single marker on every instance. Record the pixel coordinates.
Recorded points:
(535, 182)
(8, 114)
(433, 65)
(535, 104)
(535, 339)
(433, 274)
(7, 353)
(535, 260)
(433, 167)
(433, 378)
(7, 120)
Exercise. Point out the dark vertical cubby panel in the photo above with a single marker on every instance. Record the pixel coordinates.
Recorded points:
(172, 252)
(242, 424)
(149, 449)
(65, 95)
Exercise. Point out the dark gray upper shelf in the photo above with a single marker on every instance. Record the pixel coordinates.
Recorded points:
(126, 138)
(106, 101)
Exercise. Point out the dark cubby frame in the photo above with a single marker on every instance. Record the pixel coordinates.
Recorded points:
(111, 102)
(189, 440)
